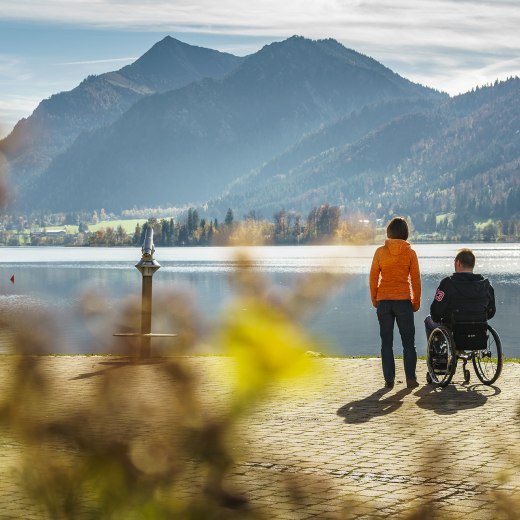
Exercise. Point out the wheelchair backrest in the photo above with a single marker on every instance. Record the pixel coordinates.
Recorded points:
(470, 335)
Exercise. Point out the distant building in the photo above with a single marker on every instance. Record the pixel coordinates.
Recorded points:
(49, 233)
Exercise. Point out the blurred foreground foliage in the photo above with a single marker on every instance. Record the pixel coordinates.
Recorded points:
(117, 452)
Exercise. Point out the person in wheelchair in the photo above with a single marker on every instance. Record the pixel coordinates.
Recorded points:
(462, 297)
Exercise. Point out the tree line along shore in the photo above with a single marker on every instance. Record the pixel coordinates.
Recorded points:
(324, 224)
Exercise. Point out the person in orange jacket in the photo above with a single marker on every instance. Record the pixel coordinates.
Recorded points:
(395, 289)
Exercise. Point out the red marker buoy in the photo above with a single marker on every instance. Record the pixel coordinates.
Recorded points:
(12, 279)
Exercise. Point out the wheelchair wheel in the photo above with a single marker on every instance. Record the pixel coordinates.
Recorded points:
(440, 357)
(488, 363)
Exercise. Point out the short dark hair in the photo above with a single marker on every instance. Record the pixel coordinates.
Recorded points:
(466, 258)
(397, 228)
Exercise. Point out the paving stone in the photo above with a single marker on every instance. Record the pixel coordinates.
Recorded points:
(340, 439)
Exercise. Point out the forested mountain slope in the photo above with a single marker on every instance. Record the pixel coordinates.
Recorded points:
(460, 156)
(188, 144)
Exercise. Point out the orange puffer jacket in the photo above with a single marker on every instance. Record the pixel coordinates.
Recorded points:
(394, 274)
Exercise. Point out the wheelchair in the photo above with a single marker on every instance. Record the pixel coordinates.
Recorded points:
(466, 340)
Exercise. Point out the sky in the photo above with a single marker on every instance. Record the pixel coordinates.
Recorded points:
(48, 46)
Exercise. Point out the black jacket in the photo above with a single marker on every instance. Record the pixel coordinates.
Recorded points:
(463, 297)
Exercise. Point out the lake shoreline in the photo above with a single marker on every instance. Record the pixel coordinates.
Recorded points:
(295, 245)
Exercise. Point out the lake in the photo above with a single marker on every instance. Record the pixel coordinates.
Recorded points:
(54, 279)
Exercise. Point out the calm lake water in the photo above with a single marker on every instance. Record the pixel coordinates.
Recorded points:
(55, 279)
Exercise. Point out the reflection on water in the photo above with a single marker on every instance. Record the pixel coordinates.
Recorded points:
(54, 279)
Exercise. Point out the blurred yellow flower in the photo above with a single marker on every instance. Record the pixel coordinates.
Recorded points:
(266, 345)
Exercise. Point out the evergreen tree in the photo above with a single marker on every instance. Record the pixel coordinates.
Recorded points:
(83, 227)
(203, 239)
(171, 233)
(164, 232)
(189, 222)
(195, 220)
(281, 227)
(137, 235)
(297, 230)
(229, 217)
(184, 238)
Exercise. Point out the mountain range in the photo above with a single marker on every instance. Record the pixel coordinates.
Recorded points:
(297, 124)
(100, 100)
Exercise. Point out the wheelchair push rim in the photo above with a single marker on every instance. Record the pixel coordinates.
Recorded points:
(441, 359)
(488, 363)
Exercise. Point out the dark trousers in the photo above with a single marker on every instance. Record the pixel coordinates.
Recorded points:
(429, 326)
(400, 311)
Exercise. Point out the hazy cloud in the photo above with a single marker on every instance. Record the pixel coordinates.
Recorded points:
(10, 109)
(381, 28)
(426, 20)
(12, 69)
(263, 13)
(452, 45)
(96, 62)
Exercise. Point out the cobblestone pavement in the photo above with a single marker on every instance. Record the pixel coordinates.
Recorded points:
(341, 441)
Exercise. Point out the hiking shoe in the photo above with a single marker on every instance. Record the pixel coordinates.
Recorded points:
(412, 383)
(389, 384)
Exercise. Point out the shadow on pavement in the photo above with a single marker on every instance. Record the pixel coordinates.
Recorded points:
(454, 398)
(114, 365)
(357, 412)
